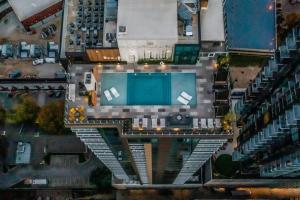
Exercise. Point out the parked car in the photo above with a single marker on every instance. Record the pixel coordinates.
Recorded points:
(50, 93)
(50, 60)
(53, 27)
(60, 74)
(120, 155)
(38, 62)
(15, 74)
(45, 33)
(58, 94)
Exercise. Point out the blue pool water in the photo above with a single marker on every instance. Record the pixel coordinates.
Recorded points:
(250, 24)
(148, 88)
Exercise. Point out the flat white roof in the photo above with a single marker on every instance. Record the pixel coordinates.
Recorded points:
(148, 19)
(211, 20)
(27, 8)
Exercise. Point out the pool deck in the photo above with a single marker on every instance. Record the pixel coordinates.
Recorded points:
(204, 83)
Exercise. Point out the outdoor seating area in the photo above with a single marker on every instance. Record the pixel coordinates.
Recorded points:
(160, 123)
(89, 24)
(184, 98)
(145, 123)
(149, 99)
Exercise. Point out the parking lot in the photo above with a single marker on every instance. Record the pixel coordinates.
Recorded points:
(46, 70)
(11, 30)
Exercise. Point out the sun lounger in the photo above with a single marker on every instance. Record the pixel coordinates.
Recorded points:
(154, 122)
(162, 123)
(186, 96)
(218, 123)
(145, 123)
(114, 92)
(107, 95)
(182, 100)
(203, 123)
(195, 123)
(210, 123)
(136, 123)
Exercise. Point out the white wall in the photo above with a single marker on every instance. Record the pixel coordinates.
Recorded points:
(134, 50)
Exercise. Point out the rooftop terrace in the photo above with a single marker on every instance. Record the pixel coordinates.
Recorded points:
(89, 24)
(197, 114)
(27, 8)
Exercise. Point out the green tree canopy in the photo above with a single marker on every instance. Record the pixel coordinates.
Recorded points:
(51, 117)
(101, 177)
(25, 111)
(225, 166)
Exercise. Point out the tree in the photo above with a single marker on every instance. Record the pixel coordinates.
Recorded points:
(101, 177)
(2, 115)
(228, 120)
(292, 20)
(25, 111)
(223, 61)
(51, 117)
(225, 166)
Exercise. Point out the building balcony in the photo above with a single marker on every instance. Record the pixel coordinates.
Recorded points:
(285, 166)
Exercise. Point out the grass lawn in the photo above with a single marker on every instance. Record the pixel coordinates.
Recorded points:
(245, 60)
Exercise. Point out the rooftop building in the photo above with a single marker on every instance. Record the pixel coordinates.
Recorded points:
(269, 114)
(249, 32)
(23, 153)
(146, 27)
(31, 12)
(212, 22)
(149, 124)
(149, 106)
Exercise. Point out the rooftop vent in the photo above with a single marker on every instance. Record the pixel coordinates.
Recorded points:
(122, 29)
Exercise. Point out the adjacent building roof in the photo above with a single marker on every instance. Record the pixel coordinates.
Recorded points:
(27, 8)
(147, 20)
(23, 153)
(250, 24)
(212, 22)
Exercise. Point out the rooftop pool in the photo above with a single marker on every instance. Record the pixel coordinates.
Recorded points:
(147, 88)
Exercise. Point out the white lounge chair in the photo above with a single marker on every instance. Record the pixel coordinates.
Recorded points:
(145, 123)
(162, 123)
(107, 95)
(186, 95)
(195, 123)
(154, 122)
(210, 123)
(218, 123)
(114, 92)
(136, 123)
(182, 100)
(203, 123)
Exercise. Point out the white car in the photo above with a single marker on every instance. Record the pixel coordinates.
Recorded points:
(50, 60)
(38, 62)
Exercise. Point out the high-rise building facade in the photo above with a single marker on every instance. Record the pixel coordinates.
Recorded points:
(269, 114)
(164, 138)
